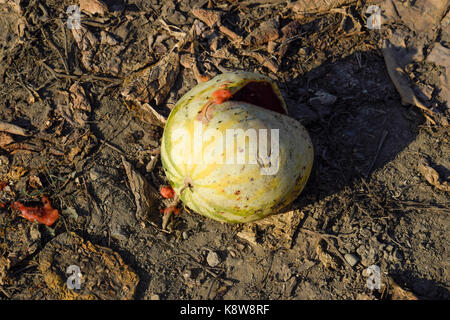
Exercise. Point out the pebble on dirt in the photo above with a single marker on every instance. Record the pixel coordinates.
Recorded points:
(213, 259)
(351, 259)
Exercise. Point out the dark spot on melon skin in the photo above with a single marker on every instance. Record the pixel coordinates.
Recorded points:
(237, 192)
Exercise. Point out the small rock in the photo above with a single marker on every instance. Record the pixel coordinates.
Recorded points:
(185, 235)
(187, 274)
(94, 174)
(154, 297)
(322, 98)
(351, 259)
(213, 259)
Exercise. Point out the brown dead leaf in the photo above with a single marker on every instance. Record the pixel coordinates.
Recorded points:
(84, 39)
(145, 195)
(248, 235)
(401, 80)
(328, 260)
(78, 98)
(267, 31)
(263, 60)
(432, 176)
(274, 231)
(153, 83)
(147, 113)
(74, 106)
(93, 6)
(391, 290)
(73, 152)
(209, 17)
(302, 7)
(87, 42)
(16, 173)
(34, 182)
(399, 293)
(5, 139)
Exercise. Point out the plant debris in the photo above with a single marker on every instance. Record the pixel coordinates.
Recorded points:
(104, 275)
(145, 195)
(432, 176)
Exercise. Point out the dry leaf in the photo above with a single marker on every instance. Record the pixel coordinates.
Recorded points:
(5, 139)
(35, 182)
(15, 173)
(154, 82)
(267, 31)
(74, 106)
(399, 293)
(249, 236)
(401, 80)
(145, 195)
(78, 98)
(87, 42)
(147, 113)
(327, 259)
(275, 231)
(391, 290)
(209, 17)
(263, 60)
(432, 176)
(73, 152)
(93, 6)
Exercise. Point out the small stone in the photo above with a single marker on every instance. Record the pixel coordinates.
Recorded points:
(185, 235)
(187, 274)
(154, 297)
(351, 259)
(94, 174)
(322, 98)
(232, 253)
(213, 259)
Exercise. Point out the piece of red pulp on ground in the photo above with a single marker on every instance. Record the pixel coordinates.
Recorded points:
(45, 214)
(171, 209)
(167, 192)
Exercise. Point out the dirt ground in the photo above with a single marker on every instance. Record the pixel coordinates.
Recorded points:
(378, 193)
